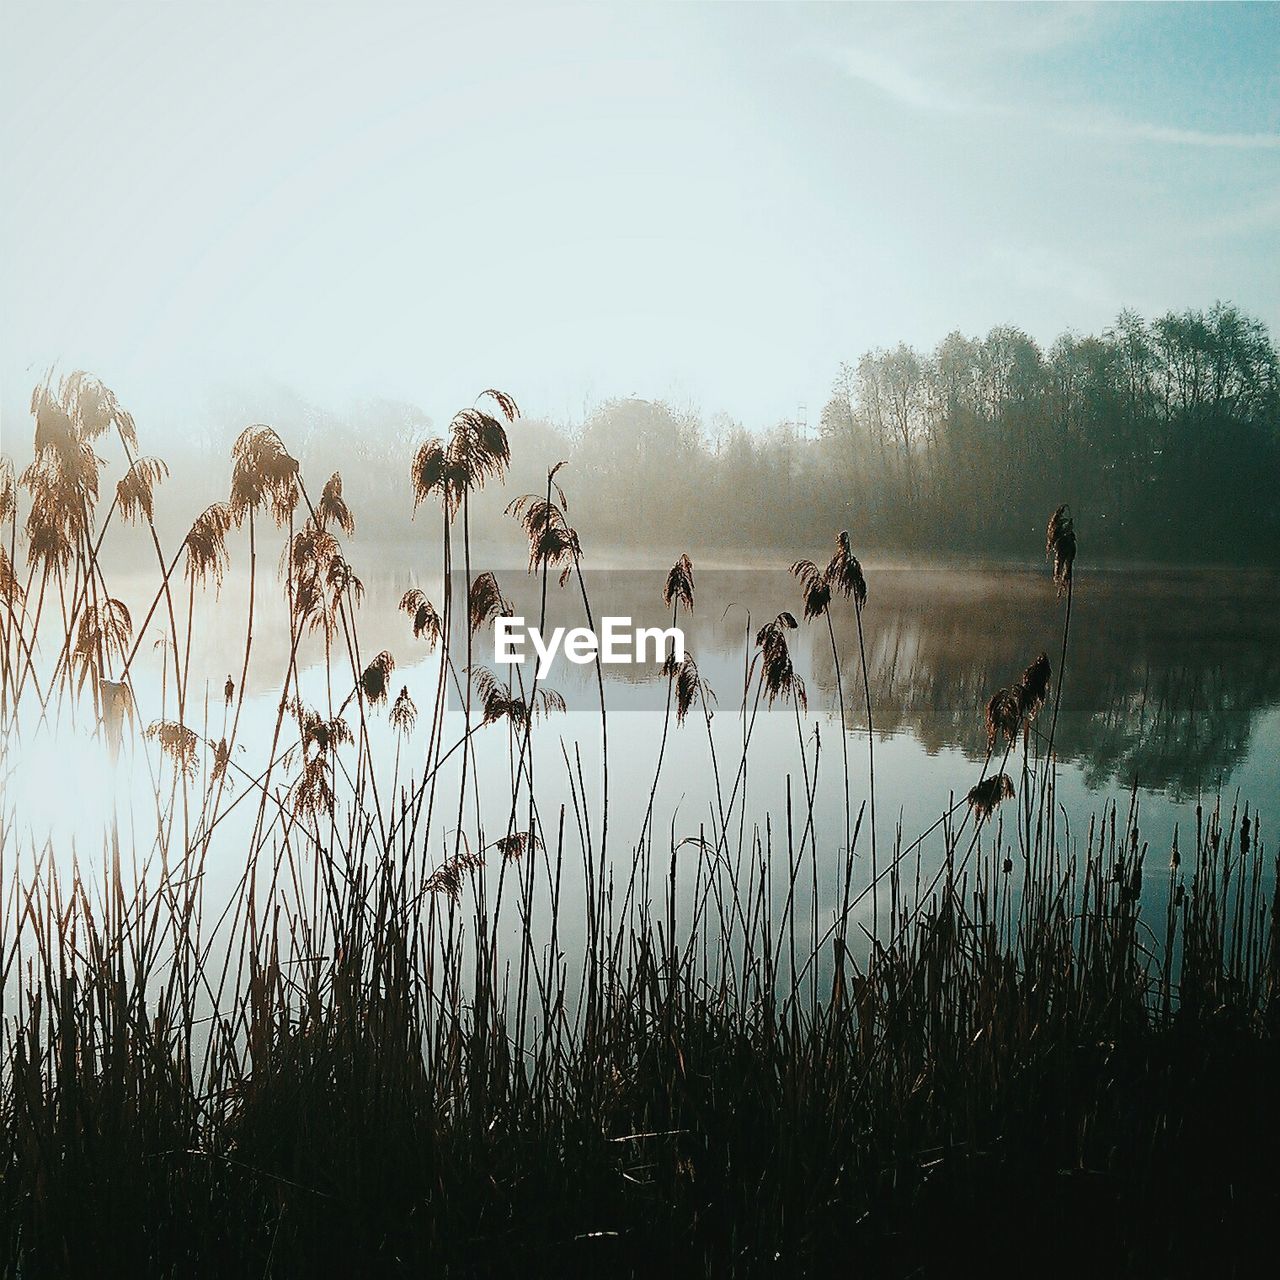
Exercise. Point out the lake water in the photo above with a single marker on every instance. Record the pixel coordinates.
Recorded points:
(1172, 687)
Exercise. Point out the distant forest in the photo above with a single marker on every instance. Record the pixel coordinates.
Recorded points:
(1163, 435)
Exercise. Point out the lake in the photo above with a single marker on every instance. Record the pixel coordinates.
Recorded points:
(1171, 695)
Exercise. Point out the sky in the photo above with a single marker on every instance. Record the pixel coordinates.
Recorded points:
(713, 204)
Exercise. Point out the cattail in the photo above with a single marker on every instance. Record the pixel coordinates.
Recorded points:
(177, 742)
(404, 714)
(331, 509)
(678, 589)
(374, 679)
(228, 691)
(1060, 546)
(426, 621)
(1004, 716)
(987, 794)
(134, 490)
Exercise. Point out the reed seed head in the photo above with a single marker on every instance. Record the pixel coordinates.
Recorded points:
(263, 473)
(1060, 546)
(777, 671)
(206, 544)
(134, 490)
(104, 632)
(1004, 717)
(332, 509)
(485, 602)
(499, 702)
(844, 572)
(404, 713)
(678, 589)
(987, 795)
(8, 490)
(376, 676)
(1033, 688)
(177, 742)
(552, 543)
(426, 620)
(817, 590)
(514, 846)
(689, 687)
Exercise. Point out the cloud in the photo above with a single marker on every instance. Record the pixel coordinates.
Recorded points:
(1263, 216)
(944, 58)
(1040, 269)
(885, 73)
(946, 61)
(1171, 135)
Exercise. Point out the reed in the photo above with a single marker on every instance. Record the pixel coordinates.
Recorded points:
(393, 1048)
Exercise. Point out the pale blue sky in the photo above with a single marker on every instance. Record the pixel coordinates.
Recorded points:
(711, 203)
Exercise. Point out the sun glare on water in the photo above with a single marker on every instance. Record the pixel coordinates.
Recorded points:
(63, 789)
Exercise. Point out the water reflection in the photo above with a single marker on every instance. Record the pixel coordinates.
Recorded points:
(1168, 673)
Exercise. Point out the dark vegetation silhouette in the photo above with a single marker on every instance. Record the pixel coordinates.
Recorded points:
(1167, 431)
(430, 1031)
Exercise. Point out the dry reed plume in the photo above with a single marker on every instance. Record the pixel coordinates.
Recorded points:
(725, 1049)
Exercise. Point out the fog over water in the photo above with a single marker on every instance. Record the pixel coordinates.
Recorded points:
(1172, 685)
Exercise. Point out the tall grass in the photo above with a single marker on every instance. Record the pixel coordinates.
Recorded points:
(396, 1047)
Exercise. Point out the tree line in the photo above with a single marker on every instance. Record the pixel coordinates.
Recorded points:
(1163, 435)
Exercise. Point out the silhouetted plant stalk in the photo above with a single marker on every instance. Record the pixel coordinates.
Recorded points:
(332, 1056)
(553, 543)
(1060, 549)
(676, 591)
